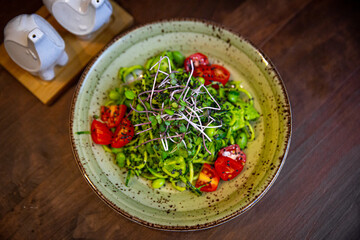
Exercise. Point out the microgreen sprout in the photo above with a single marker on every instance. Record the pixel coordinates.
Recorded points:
(183, 103)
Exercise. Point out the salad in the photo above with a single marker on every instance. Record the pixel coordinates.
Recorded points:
(177, 120)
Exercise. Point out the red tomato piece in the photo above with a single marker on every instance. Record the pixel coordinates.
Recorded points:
(204, 72)
(228, 168)
(221, 74)
(123, 134)
(230, 162)
(112, 114)
(233, 152)
(198, 59)
(209, 178)
(100, 133)
(213, 73)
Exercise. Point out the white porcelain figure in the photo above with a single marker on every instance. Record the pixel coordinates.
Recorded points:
(34, 45)
(80, 17)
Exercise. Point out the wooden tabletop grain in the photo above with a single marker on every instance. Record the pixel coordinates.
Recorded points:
(315, 45)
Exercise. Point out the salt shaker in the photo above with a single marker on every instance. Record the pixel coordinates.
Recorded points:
(34, 45)
(80, 17)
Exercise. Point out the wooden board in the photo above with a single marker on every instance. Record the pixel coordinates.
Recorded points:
(80, 52)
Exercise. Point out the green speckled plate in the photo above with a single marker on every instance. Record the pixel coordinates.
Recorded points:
(166, 208)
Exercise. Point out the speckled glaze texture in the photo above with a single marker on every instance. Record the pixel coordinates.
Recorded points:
(166, 208)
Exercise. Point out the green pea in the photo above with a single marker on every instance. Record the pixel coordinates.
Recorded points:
(178, 58)
(202, 80)
(233, 96)
(158, 183)
(120, 159)
(173, 82)
(172, 75)
(174, 105)
(210, 131)
(139, 108)
(164, 66)
(114, 95)
(242, 140)
(129, 94)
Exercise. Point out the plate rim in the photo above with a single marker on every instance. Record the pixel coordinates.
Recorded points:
(288, 134)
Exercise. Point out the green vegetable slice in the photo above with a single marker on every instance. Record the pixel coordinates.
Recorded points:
(174, 167)
(154, 173)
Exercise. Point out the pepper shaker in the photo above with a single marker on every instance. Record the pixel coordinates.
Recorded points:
(34, 45)
(80, 17)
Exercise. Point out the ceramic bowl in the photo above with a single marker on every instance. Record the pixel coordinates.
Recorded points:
(166, 208)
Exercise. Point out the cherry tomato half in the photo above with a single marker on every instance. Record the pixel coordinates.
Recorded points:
(100, 133)
(228, 168)
(213, 73)
(113, 114)
(123, 134)
(230, 162)
(204, 72)
(209, 178)
(221, 74)
(198, 59)
(234, 152)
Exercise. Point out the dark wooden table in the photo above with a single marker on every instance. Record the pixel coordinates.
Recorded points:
(315, 45)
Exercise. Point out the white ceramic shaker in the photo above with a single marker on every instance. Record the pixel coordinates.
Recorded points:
(34, 45)
(80, 17)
